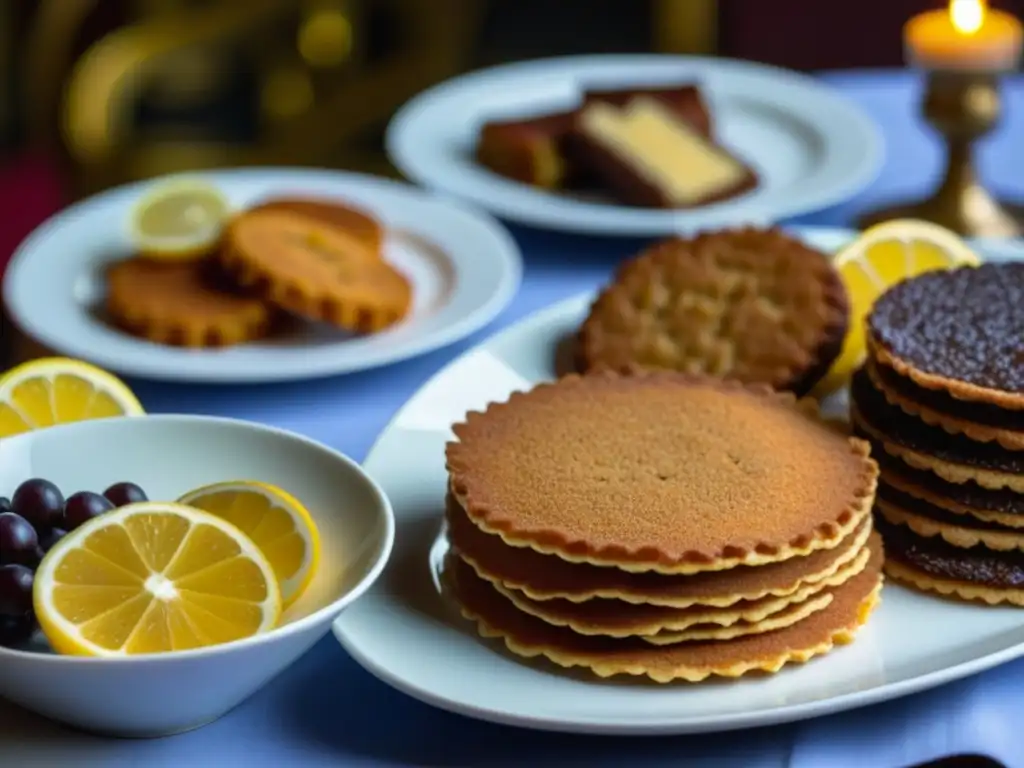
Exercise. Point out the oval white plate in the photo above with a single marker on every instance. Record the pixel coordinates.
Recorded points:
(405, 633)
(464, 266)
(811, 147)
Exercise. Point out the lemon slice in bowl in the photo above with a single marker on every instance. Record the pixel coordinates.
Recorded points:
(277, 523)
(179, 219)
(880, 257)
(58, 390)
(150, 578)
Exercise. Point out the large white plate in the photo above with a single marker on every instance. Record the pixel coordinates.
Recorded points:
(811, 147)
(405, 633)
(464, 266)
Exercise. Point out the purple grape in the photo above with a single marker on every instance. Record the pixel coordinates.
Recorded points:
(40, 502)
(15, 630)
(15, 590)
(123, 494)
(19, 542)
(5, 504)
(48, 539)
(82, 507)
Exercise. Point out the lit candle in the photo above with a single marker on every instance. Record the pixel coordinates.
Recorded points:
(967, 37)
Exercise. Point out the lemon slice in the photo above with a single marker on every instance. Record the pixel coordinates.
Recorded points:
(179, 219)
(276, 522)
(882, 256)
(58, 390)
(150, 578)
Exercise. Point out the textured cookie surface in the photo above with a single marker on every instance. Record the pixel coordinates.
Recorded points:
(315, 270)
(181, 303)
(662, 471)
(960, 330)
(528, 636)
(750, 304)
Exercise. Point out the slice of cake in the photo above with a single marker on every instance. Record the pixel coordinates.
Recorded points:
(536, 150)
(648, 155)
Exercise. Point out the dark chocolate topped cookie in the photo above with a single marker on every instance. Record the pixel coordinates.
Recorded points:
(904, 501)
(881, 421)
(979, 421)
(1001, 505)
(943, 402)
(960, 330)
(940, 560)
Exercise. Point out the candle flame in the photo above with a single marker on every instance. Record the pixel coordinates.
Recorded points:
(967, 15)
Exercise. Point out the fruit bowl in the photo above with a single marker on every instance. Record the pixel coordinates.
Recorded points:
(157, 694)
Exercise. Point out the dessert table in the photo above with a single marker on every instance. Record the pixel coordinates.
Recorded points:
(326, 711)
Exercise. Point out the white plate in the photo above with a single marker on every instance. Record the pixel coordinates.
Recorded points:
(405, 633)
(464, 266)
(811, 147)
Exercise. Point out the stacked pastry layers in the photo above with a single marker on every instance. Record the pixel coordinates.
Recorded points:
(941, 398)
(663, 525)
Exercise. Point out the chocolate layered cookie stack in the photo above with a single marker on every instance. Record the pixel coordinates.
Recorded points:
(941, 398)
(664, 525)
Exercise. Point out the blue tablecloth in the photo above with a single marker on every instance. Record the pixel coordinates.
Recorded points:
(326, 711)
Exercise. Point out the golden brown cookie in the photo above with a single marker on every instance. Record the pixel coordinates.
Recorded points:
(750, 304)
(615, 618)
(660, 472)
(315, 270)
(958, 332)
(525, 635)
(548, 577)
(335, 213)
(181, 303)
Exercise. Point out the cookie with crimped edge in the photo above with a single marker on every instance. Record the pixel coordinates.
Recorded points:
(180, 303)
(527, 636)
(979, 421)
(957, 331)
(787, 617)
(661, 471)
(927, 520)
(614, 618)
(340, 214)
(749, 304)
(314, 270)
(935, 565)
(1001, 506)
(548, 577)
(955, 458)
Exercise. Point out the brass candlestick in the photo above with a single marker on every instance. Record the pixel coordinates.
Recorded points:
(962, 107)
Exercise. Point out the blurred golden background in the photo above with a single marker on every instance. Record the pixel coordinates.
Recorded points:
(95, 93)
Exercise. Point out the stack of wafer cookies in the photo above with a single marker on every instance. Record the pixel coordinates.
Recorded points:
(661, 524)
(941, 398)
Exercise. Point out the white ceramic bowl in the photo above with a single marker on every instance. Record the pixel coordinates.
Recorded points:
(162, 694)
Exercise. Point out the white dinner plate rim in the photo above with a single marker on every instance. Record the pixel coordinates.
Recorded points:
(842, 123)
(675, 725)
(329, 360)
